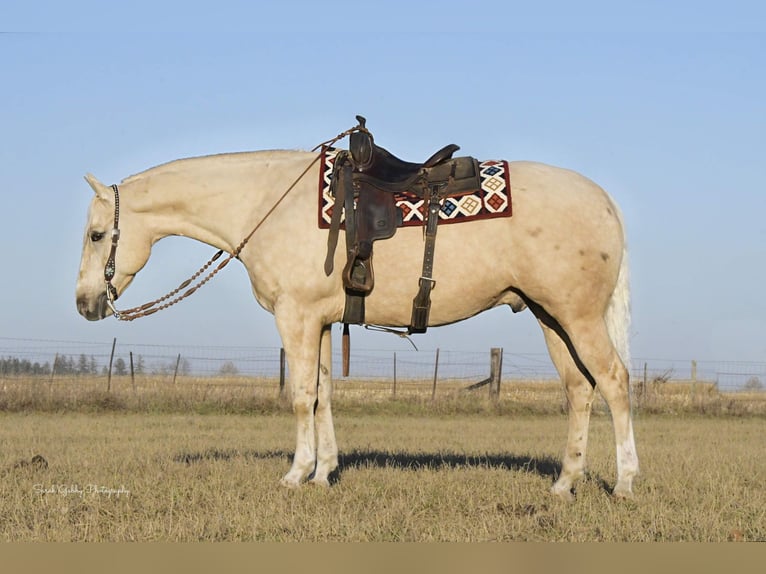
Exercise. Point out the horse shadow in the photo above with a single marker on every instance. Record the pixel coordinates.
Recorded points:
(545, 467)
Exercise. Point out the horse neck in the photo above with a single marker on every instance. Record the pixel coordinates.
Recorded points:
(215, 199)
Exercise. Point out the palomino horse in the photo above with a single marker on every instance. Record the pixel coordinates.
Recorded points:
(562, 254)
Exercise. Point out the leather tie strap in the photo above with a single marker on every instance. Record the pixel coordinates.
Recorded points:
(421, 304)
(338, 189)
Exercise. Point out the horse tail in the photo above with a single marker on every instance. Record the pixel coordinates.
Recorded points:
(618, 311)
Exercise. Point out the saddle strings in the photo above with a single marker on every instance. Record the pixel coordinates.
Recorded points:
(357, 128)
(159, 304)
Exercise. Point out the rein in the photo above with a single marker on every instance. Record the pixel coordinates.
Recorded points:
(188, 287)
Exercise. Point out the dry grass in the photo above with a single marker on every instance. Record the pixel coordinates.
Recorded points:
(247, 395)
(464, 477)
(201, 461)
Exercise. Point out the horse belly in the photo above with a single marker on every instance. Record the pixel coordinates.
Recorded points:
(471, 271)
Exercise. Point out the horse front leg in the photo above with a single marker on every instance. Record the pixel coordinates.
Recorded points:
(327, 447)
(301, 341)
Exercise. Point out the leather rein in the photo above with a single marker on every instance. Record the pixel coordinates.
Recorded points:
(194, 282)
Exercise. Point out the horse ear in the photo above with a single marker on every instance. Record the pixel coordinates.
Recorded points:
(101, 190)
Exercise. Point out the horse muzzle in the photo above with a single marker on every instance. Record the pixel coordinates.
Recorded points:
(94, 309)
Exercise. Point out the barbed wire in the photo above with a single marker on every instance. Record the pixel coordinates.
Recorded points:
(61, 357)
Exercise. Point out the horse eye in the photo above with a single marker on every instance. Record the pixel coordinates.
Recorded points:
(96, 235)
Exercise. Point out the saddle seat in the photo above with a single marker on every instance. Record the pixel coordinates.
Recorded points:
(388, 172)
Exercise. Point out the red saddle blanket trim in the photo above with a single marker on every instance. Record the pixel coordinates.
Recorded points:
(493, 199)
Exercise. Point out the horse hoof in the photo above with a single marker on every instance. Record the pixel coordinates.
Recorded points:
(623, 494)
(320, 482)
(623, 490)
(564, 494)
(289, 483)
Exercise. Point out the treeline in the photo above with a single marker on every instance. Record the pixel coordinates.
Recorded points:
(68, 365)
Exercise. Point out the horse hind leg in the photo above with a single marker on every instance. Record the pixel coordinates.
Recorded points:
(579, 393)
(591, 349)
(596, 353)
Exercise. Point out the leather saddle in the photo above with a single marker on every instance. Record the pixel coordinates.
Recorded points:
(366, 183)
(382, 167)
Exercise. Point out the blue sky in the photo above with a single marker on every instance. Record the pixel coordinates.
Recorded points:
(661, 103)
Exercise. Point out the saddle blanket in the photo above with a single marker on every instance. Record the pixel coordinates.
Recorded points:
(493, 199)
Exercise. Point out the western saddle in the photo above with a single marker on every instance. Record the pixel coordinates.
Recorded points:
(366, 182)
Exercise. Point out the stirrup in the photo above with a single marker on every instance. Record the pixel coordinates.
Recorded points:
(358, 275)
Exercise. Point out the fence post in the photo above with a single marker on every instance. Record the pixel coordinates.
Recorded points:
(282, 362)
(436, 372)
(496, 370)
(132, 373)
(111, 360)
(175, 373)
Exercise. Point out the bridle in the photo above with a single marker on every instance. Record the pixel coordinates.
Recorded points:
(110, 267)
(194, 282)
(173, 296)
(189, 285)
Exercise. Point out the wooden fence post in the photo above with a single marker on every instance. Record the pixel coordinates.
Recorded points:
(175, 373)
(111, 360)
(496, 371)
(495, 374)
(436, 372)
(132, 373)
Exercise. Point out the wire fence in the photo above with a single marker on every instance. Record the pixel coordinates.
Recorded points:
(61, 360)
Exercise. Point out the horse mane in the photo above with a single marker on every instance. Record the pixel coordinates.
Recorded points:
(176, 164)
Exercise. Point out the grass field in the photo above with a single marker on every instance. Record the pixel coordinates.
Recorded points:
(457, 469)
(152, 394)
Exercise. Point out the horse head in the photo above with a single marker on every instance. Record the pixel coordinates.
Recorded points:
(107, 228)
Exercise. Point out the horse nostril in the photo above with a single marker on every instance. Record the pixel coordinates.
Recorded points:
(82, 306)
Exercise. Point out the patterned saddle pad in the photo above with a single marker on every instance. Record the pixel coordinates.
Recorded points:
(493, 199)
